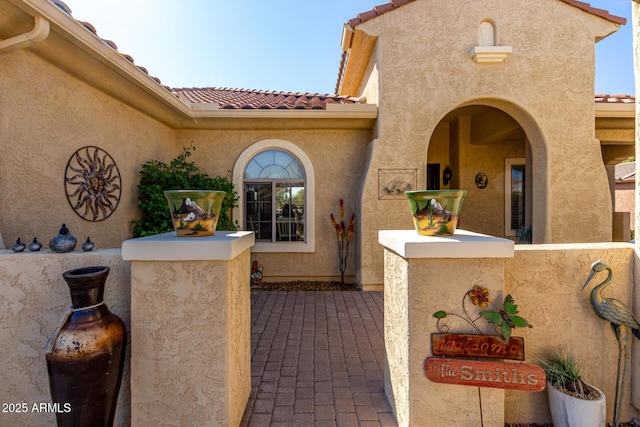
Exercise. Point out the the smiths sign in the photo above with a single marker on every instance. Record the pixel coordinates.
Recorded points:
(513, 376)
(467, 345)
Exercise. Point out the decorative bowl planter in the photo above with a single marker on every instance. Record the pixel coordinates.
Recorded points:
(194, 213)
(436, 212)
(568, 411)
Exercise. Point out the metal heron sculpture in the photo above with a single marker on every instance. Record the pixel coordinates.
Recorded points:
(622, 321)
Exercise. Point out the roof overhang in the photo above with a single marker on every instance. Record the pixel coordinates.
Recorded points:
(616, 110)
(77, 51)
(358, 47)
(615, 123)
(336, 116)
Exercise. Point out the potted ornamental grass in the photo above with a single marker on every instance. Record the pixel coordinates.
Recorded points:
(572, 401)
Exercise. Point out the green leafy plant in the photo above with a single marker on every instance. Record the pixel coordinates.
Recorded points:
(178, 174)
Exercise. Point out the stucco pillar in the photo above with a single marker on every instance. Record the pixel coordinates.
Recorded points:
(190, 328)
(424, 275)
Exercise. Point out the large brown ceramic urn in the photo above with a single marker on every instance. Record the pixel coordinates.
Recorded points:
(85, 356)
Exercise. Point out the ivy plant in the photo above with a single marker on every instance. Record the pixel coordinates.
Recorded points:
(179, 174)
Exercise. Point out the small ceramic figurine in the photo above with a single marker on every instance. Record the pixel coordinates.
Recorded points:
(19, 246)
(64, 241)
(88, 245)
(35, 246)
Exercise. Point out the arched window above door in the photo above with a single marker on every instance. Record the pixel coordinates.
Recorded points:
(274, 164)
(275, 182)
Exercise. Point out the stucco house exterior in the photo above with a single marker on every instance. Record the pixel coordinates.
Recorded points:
(625, 184)
(502, 90)
(495, 97)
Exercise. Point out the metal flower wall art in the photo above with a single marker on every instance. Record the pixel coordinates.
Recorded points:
(504, 319)
(93, 183)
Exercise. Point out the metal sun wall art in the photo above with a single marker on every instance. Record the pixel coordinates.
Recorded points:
(93, 183)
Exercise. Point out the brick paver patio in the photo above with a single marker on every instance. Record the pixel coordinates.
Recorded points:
(317, 360)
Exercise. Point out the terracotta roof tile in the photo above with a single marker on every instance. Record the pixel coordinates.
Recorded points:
(234, 99)
(89, 27)
(63, 6)
(602, 98)
(625, 171)
(228, 98)
(598, 12)
(377, 11)
(393, 4)
(111, 44)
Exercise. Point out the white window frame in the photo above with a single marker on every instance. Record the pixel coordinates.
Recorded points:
(309, 245)
(508, 164)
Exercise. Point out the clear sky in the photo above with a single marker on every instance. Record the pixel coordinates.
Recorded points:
(282, 45)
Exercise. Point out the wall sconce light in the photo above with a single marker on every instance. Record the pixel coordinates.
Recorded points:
(446, 175)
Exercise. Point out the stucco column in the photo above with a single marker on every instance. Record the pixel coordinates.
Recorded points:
(424, 275)
(190, 328)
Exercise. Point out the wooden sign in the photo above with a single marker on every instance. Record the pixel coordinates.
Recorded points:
(468, 345)
(478, 373)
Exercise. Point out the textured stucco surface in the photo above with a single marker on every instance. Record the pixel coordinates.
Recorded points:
(336, 177)
(33, 299)
(625, 195)
(191, 332)
(417, 92)
(72, 114)
(420, 71)
(546, 282)
(414, 290)
(490, 160)
(47, 115)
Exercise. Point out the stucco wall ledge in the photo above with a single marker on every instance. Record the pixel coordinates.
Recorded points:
(463, 244)
(222, 246)
(490, 54)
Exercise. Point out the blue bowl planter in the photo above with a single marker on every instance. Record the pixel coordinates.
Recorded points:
(194, 213)
(436, 212)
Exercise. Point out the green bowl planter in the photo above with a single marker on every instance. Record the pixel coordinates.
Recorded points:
(435, 212)
(194, 213)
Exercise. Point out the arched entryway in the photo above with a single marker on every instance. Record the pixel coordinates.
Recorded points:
(499, 159)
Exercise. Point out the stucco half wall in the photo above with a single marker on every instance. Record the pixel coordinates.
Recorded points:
(33, 299)
(545, 281)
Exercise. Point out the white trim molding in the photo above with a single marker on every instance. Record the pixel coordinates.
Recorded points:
(309, 245)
